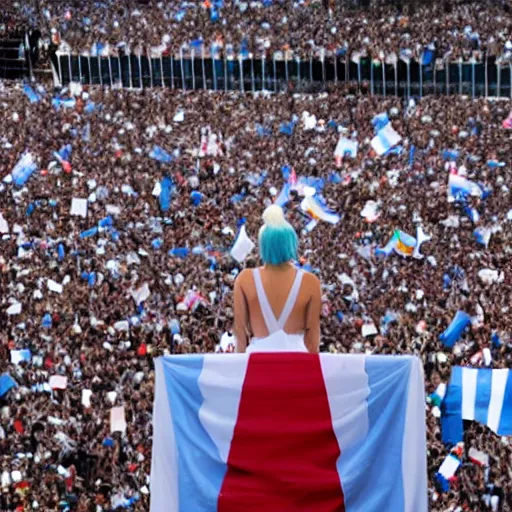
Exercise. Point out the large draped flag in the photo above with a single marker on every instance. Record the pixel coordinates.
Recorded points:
(289, 432)
(477, 394)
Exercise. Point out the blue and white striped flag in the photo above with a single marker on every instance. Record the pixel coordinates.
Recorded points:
(346, 147)
(385, 139)
(22, 171)
(380, 121)
(477, 394)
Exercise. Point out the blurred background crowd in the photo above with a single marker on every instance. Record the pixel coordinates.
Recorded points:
(118, 210)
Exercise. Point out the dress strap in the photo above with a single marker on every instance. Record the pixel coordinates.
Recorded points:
(274, 325)
(266, 310)
(291, 300)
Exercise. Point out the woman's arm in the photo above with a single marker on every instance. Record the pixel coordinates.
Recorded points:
(312, 334)
(240, 328)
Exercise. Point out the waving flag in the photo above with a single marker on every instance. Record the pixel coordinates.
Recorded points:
(6, 383)
(32, 96)
(166, 187)
(318, 211)
(63, 102)
(345, 147)
(477, 394)
(284, 196)
(231, 433)
(242, 247)
(22, 171)
(456, 328)
(380, 121)
(507, 123)
(292, 179)
(385, 139)
(447, 471)
(404, 244)
(160, 155)
(460, 187)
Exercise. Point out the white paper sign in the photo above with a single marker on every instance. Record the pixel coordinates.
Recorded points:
(86, 398)
(54, 287)
(4, 227)
(370, 211)
(111, 397)
(369, 330)
(141, 294)
(79, 207)
(15, 309)
(117, 419)
(58, 382)
(242, 247)
(113, 209)
(179, 117)
(227, 342)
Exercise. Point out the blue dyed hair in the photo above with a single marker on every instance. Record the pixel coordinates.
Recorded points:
(277, 238)
(278, 244)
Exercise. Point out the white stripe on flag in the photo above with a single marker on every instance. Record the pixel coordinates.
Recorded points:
(499, 382)
(414, 452)
(221, 382)
(469, 377)
(346, 382)
(164, 465)
(449, 466)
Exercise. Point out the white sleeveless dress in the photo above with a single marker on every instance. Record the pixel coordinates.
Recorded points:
(277, 340)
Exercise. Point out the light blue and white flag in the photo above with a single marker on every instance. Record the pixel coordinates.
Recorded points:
(346, 147)
(284, 196)
(21, 356)
(22, 171)
(317, 210)
(460, 187)
(160, 155)
(385, 139)
(380, 121)
(477, 394)
(63, 102)
(32, 95)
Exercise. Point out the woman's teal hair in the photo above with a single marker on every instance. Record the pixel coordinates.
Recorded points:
(277, 238)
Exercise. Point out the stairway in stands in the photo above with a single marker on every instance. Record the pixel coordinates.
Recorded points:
(13, 64)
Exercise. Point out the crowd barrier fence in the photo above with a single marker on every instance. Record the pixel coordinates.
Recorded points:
(192, 72)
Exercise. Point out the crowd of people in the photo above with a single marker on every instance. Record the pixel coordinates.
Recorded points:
(119, 209)
(142, 266)
(458, 29)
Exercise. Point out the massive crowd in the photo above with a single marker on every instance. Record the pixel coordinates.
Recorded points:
(458, 29)
(96, 306)
(92, 290)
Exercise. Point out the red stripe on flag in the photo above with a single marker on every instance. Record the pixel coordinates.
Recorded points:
(284, 452)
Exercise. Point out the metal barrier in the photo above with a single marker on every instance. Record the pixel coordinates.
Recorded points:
(15, 61)
(190, 72)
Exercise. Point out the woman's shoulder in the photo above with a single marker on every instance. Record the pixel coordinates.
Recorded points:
(244, 275)
(310, 279)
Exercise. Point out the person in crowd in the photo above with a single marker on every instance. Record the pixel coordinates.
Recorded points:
(91, 291)
(383, 31)
(278, 298)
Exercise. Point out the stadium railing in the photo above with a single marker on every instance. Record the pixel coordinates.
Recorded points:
(191, 71)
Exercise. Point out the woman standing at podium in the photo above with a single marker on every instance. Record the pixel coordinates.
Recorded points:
(277, 306)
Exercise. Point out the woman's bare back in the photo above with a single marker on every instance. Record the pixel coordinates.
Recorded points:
(277, 283)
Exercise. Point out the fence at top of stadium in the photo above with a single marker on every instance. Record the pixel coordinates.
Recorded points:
(489, 78)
